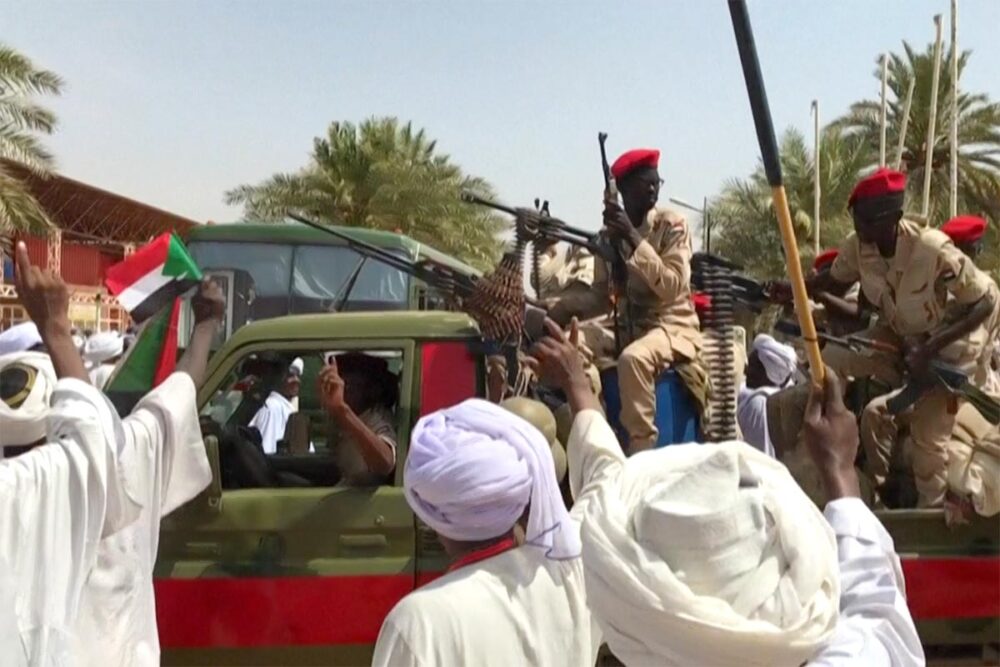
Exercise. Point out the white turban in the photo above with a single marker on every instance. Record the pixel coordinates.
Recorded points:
(27, 380)
(103, 346)
(472, 470)
(19, 338)
(709, 555)
(779, 359)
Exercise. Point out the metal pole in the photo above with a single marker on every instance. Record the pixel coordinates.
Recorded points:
(954, 110)
(882, 116)
(906, 123)
(816, 175)
(925, 208)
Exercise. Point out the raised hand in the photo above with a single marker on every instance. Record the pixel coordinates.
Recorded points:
(831, 434)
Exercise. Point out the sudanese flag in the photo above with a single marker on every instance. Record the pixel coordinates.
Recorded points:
(151, 278)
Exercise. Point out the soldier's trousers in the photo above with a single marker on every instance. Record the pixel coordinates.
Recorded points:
(638, 367)
(931, 424)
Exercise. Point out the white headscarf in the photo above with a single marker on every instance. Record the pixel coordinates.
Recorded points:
(23, 414)
(709, 555)
(779, 359)
(473, 468)
(103, 346)
(19, 338)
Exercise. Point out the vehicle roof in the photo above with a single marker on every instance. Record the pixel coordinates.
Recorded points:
(290, 232)
(389, 324)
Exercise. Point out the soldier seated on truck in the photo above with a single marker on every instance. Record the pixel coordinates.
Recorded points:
(656, 245)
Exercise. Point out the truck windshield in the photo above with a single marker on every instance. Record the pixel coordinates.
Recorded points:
(295, 279)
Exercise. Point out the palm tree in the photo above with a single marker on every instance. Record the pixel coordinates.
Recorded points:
(382, 175)
(978, 139)
(21, 119)
(745, 228)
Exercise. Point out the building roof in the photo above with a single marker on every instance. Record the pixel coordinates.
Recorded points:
(92, 212)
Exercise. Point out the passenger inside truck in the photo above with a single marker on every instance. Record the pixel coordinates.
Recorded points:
(353, 445)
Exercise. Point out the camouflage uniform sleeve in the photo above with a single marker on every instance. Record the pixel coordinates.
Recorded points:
(669, 271)
(845, 267)
(585, 304)
(956, 272)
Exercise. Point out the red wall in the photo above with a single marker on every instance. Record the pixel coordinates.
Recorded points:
(81, 264)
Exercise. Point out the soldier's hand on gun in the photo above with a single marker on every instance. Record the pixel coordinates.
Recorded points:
(208, 303)
(831, 434)
(331, 388)
(42, 293)
(619, 226)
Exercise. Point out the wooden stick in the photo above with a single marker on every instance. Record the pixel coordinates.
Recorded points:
(772, 167)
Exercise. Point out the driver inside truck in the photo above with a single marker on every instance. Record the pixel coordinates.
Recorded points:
(359, 392)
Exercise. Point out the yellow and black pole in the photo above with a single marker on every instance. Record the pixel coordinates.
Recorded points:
(772, 168)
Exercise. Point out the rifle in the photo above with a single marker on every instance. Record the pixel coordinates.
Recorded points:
(854, 342)
(461, 288)
(619, 269)
(941, 374)
(955, 382)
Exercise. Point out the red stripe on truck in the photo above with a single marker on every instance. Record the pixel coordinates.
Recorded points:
(940, 588)
(281, 611)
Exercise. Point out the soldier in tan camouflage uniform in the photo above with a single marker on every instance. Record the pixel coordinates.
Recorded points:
(936, 304)
(658, 248)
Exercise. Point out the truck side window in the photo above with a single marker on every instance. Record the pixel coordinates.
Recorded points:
(275, 432)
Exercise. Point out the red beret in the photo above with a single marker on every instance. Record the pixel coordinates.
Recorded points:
(701, 301)
(825, 258)
(965, 228)
(632, 160)
(883, 181)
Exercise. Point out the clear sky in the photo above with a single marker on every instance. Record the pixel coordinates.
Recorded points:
(174, 102)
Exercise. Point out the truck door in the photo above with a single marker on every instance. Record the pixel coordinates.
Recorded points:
(278, 563)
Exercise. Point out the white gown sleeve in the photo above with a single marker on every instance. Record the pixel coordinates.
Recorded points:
(593, 452)
(163, 451)
(875, 626)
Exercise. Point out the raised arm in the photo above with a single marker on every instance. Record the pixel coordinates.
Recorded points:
(593, 450)
(378, 454)
(46, 298)
(209, 308)
(875, 626)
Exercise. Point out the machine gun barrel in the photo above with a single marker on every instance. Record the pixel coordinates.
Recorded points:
(535, 225)
(436, 275)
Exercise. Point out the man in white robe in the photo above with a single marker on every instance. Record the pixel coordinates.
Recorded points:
(58, 499)
(272, 418)
(712, 555)
(470, 473)
(102, 352)
(770, 368)
(162, 453)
